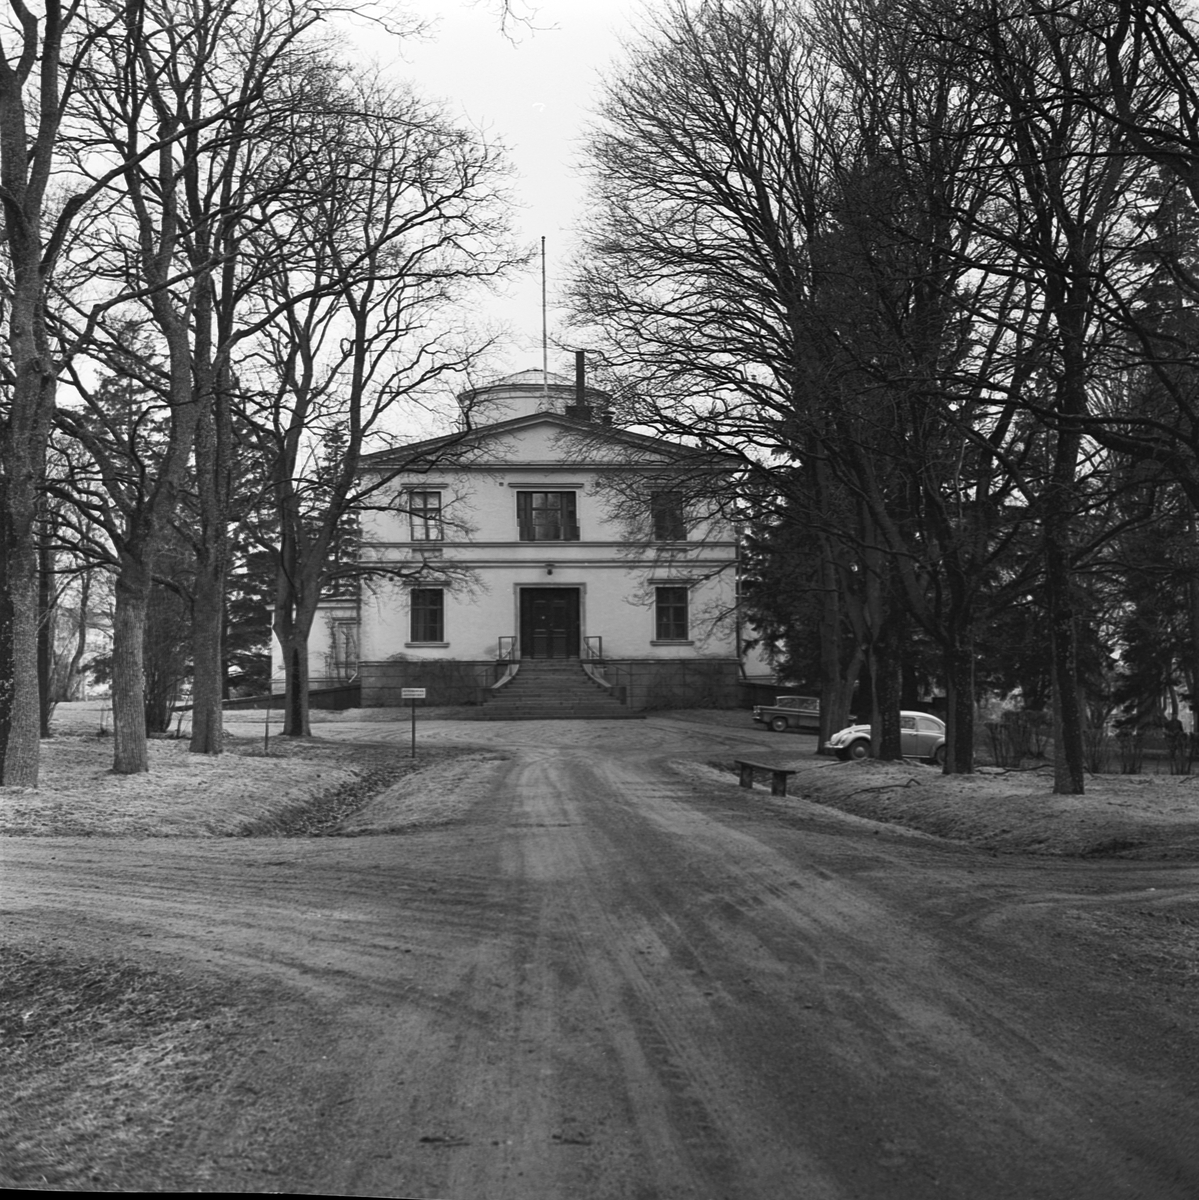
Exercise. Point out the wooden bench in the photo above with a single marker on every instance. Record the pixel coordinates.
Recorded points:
(778, 775)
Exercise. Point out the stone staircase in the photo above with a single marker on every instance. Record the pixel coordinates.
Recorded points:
(548, 689)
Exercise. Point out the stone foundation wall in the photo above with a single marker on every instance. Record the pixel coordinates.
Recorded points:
(677, 683)
(451, 681)
(646, 684)
(339, 698)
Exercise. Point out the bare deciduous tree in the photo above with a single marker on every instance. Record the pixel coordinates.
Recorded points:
(178, 95)
(39, 55)
(399, 212)
(884, 245)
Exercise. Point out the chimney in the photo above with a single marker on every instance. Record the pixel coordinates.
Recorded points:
(580, 409)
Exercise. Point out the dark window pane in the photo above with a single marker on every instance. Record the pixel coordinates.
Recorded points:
(547, 517)
(672, 614)
(666, 508)
(428, 614)
(424, 516)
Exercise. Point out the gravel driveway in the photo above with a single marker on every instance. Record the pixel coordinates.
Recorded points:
(604, 974)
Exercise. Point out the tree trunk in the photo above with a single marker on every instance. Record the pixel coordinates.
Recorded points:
(207, 627)
(888, 684)
(836, 699)
(22, 472)
(130, 752)
(293, 624)
(1191, 663)
(1061, 504)
(837, 677)
(959, 689)
(31, 382)
(6, 630)
(832, 693)
(1068, 761)
(71, 688)
(212, 459)
(45, 631)
(213, 454)
(21, 748)
(887, 679)
(295, 704)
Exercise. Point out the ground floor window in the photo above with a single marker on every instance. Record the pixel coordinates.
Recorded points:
(343, 662)
(428, 614)
(671, 608)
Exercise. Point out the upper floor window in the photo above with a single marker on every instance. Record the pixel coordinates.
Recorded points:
(666, 511)
(427, 607)
(547, 517)
(424, 516)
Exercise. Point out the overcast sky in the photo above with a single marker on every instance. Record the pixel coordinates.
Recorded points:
(532, 90)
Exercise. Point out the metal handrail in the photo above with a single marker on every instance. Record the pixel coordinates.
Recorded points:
(506, 663)
(601, 671)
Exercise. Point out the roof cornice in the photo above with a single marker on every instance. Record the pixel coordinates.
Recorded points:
(431, 451)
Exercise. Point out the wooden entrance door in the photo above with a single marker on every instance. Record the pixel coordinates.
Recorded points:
(549, 622)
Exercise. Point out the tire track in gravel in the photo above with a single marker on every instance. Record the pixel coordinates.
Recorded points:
(646, 973)
(895, 1003)
(645, 1100)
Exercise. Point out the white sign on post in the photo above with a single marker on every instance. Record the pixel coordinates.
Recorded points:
(413, 694)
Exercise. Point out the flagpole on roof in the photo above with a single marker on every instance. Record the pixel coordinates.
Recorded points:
(545, 342)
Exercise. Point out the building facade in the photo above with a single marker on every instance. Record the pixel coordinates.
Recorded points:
(541, 531)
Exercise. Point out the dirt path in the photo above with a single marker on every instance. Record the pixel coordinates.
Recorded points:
(609, 978)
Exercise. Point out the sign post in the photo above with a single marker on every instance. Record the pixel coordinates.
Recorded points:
(412, 695)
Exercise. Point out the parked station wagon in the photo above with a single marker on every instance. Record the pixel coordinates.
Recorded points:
(790, 712)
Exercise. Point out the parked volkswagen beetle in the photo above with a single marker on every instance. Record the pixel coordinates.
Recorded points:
(921, 736)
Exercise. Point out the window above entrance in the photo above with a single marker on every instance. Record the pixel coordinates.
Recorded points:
(547, 517)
